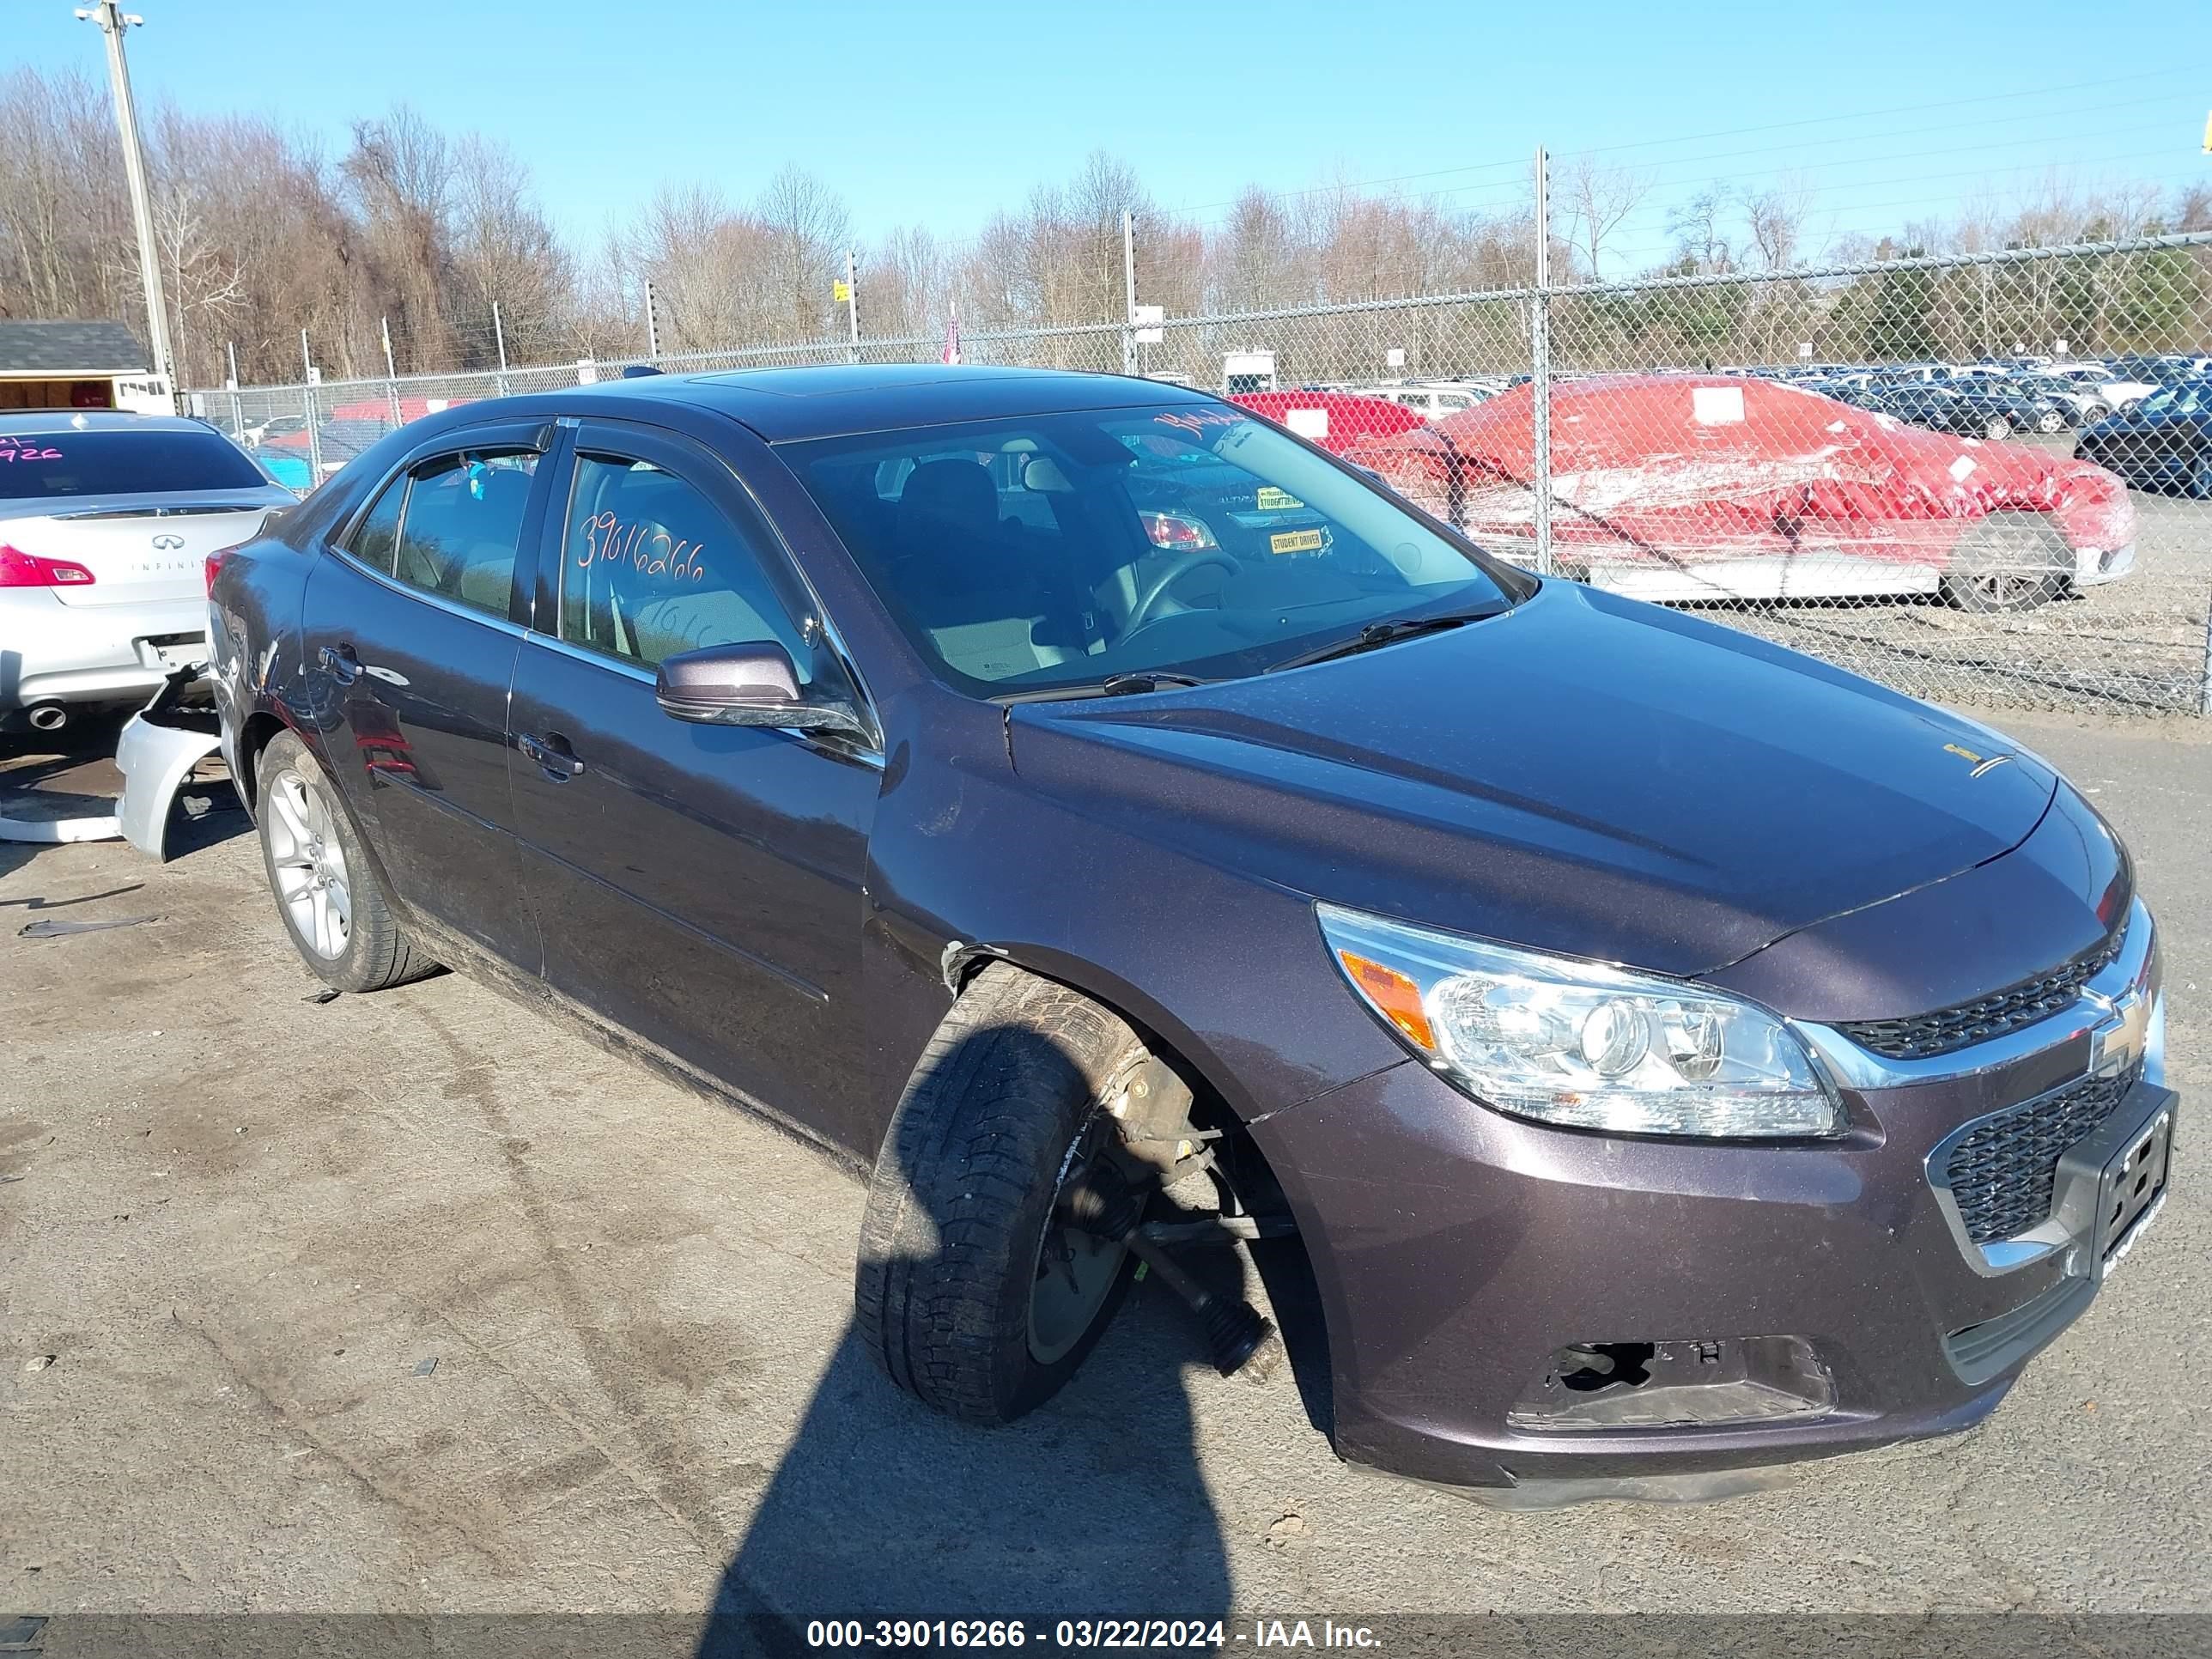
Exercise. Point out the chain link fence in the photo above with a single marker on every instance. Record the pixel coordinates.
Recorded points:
(1979, 477)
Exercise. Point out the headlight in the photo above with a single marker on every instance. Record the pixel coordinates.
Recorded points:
(1581, 1044)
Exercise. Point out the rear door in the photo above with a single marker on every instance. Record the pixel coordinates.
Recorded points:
(696, 885)
(410, 624)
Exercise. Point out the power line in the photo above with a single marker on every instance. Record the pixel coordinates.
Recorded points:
(1522, 163)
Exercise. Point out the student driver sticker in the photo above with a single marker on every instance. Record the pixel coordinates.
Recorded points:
(1271, 500)
(1295, 541)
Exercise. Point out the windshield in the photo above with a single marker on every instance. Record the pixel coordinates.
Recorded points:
(2178, 400)
(1052, 551)
(69, 461)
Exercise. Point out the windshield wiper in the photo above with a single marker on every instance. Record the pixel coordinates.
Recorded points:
(1139, 680)
(1387, 632)
(1131, 683)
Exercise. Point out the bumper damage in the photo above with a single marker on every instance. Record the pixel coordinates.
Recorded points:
(159, 748)
(1544, 1316)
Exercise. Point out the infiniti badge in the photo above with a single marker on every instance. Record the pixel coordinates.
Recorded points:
(168, 543)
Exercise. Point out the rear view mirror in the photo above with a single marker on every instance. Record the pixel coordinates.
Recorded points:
(755, 685)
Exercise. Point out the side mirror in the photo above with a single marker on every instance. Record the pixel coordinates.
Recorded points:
(746, 685)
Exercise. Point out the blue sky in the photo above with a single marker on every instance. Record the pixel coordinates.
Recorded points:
(937, 113)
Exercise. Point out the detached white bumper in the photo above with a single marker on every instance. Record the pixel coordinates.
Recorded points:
(156, 754)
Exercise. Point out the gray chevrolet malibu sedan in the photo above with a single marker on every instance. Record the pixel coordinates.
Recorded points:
(1112, 825)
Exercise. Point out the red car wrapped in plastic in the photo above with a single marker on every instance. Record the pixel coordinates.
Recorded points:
(1686, 487)
(1335, 420)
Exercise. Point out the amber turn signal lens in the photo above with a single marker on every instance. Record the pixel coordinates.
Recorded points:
(1395, 993)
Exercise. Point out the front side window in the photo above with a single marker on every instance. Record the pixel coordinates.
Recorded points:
(649, 568)
(1055, 550)
(2186, 399)
(462, 525)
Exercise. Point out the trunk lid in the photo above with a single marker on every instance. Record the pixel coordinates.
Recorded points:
(139, 548)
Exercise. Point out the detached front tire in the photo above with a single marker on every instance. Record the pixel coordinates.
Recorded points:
(332, 905)
(972, 1292)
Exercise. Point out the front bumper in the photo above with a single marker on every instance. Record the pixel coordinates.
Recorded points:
(78, 653)
(1459, 1252)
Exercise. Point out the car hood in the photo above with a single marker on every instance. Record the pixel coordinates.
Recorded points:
(1583, 773)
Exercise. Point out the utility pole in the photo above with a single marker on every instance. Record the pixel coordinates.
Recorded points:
(1128, 292)
(237, 409)
(499, 336)
(315, 420)
(651, 325)
(1540, 351)
(391, 370)
(853, 303)
(112, 21)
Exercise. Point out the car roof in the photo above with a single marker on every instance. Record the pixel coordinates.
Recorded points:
(782, 405)
(97, 420)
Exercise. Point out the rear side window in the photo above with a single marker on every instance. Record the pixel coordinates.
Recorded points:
(69, 462)
(377, 536)
(649, 568)
(462, 525)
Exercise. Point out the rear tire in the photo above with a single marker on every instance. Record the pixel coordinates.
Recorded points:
(1996, 426)
(961, 1230)
(331, 904)
(2010, 561)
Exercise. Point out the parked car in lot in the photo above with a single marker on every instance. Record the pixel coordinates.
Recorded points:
(1674, 1054)
(1335, 420)
(1960, 406)
(105, 520)
(2078, 405)
(2164, 443)
(1433, 400)
(1689, 488)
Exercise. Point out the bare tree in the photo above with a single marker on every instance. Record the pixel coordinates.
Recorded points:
(809, 230)
(402, 171)
(504, 252)
(1775, 219)
(1700, 227)
(1598, 200)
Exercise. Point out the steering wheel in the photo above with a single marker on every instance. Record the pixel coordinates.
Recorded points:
(1141, 613)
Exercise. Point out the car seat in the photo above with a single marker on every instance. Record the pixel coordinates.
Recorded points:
(965, 577)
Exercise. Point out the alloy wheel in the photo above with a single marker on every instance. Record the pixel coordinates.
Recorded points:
(310, 865)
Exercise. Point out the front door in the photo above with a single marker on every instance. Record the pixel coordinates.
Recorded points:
(697, 886)
(409, 647)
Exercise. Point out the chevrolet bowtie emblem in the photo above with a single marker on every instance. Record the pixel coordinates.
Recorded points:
(1980, 764)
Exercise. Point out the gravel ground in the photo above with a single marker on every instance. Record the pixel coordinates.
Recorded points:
(418, 1302)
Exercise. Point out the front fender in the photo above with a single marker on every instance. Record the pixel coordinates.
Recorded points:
(967, 859)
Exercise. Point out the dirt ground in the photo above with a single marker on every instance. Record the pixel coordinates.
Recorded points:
(417, 1302)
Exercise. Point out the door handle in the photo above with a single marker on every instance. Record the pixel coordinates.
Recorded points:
(339, 662)
(551, 752)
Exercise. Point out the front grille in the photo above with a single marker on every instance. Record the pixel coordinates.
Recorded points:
(2003, 1174)
(1923, 1035)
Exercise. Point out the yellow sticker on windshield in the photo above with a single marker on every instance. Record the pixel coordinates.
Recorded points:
(1295, 541)
(1271, 500)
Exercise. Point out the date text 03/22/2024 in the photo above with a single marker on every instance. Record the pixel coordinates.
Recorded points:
(1199, 1635)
